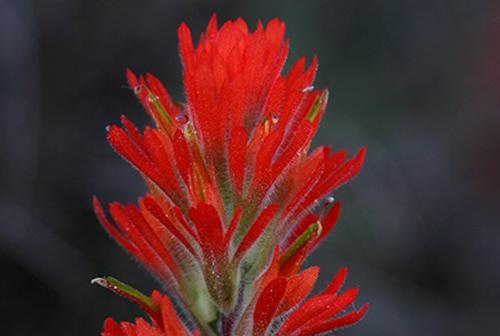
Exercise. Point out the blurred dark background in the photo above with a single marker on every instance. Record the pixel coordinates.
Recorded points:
(416, 82)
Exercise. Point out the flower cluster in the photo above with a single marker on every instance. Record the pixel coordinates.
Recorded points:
(236, 200)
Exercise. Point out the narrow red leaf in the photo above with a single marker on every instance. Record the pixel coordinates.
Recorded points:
(171, 323)
(267, 305)
(188, 227)
(341, 302)
(209, 228)
(307, 311)
(232, 228)
(298, 287)
(112, 231)
(337, 282)
(159, 214)
(266, 153)
(132, 131)
(149, 236)
(120, 141)
(335, 324)
(156, 263)
(186, 46)
(182, 155)
(255, 231)
(236, 156)
(138, 87)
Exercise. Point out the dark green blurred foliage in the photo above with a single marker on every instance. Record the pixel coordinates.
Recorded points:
(416, 82)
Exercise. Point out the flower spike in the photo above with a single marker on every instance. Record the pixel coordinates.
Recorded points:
(231, 211)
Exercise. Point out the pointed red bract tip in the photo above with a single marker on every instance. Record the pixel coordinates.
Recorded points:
(131, 78)
(337, 282)
(212, 25)
(185, 46)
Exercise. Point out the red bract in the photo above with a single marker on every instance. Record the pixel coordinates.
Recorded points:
(164, 322)
(230, 181)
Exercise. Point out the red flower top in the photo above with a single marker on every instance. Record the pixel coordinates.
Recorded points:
(230, 177)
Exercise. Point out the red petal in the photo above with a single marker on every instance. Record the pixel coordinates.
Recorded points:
(129, 329)
(157, 212)
(172, 325)
(255, 231)
(298, 287)
(180, 217)
(232, 227)
(212, 26)
(236, 154)
(209, 228)
(313, 169)
(347, 171)
(148, 255)
(267, 305)
(335, 179)
(337, 282)
(301, 138)
(120, 141)
(332, 325)
(113, 232)
(150, 236)
(272, 270)
(307, 311)
(341, 302)
(275, 31)
(186, 46)
(111, 328)
(275, 99)
(266, 153)
(132, 131)
(145, 329)
(138, 87)
(293, 265)
(182, 155)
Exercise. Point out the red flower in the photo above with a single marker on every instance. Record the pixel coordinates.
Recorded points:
(230, 177)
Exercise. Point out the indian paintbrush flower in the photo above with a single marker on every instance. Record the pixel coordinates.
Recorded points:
(235, 194)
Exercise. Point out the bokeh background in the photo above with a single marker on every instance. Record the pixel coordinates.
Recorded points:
(416, 82)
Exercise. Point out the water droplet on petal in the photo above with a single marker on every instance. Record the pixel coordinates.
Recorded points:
(308, 88)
